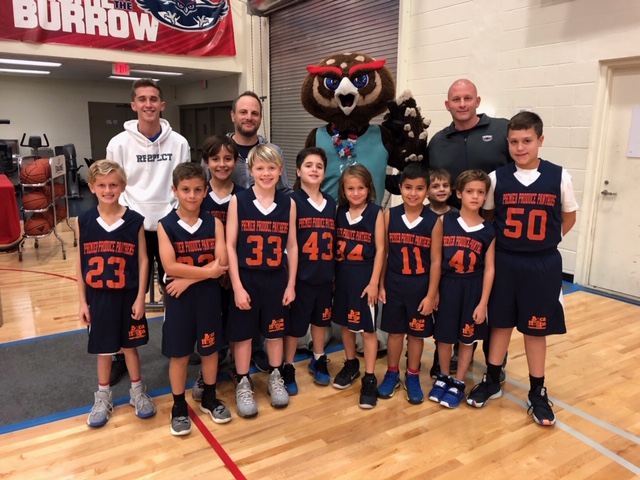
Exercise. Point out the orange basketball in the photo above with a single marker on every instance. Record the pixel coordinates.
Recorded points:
(35, 200)
(57, 187)
(38, 224)
(36, 172)
(61, 212)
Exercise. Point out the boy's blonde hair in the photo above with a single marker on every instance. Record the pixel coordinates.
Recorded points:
(102, 168)
(265, 152)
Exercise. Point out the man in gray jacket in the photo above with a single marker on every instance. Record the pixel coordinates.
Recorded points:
(472, 141)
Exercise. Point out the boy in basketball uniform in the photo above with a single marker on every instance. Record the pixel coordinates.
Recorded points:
(260, 226)
(533, 206)
(468, 252)
(193, 252)
(409, 281)
(111, 284)
(219, 154)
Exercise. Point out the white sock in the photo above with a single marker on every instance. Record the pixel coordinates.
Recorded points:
(317, 356)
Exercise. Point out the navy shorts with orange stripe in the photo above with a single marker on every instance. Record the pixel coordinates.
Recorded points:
(400, 312)
(527, 293)
(349, 310)
(112, 327)
(313, 305)
(194, 317)
(267, 316)
(459, 297)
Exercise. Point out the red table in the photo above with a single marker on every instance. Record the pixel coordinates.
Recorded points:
(10, 233)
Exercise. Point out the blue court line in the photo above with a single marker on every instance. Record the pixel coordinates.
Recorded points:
(54, 417)
(569, 287)
(59, 335)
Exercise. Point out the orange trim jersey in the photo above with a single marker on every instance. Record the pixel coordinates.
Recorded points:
(109, 254)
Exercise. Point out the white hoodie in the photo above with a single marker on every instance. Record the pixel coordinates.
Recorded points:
(149, 168)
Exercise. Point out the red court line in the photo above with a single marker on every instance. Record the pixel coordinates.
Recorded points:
(35, 271)
(224, 456)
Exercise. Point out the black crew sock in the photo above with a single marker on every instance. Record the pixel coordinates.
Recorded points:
(493, 372)
(535, 382)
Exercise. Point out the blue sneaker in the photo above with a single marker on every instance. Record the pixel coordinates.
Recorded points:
(413, 388)
(390, 383)
(440, 387)
(454, 395)
(318, 368)
(289, 377)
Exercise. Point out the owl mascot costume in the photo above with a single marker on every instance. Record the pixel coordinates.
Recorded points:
(347, 90)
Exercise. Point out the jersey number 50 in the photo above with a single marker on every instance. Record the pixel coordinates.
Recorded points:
(537, 218)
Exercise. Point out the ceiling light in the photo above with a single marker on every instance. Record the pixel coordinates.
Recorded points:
(153, 72)
(19, 70)
(12, 61)
(116, 77)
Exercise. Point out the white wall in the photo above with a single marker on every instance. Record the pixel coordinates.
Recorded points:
(537, 54)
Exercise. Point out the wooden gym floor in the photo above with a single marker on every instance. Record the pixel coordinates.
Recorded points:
(592, 376)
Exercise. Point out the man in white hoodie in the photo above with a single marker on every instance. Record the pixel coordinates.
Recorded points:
(148, 150)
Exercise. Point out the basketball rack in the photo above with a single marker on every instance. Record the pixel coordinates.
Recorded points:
(58, 177)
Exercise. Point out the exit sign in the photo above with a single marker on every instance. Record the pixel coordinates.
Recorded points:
(120, 69)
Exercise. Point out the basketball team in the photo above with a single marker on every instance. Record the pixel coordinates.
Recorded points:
(469, 254)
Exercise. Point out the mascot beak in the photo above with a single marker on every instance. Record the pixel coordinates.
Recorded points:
(347, 96)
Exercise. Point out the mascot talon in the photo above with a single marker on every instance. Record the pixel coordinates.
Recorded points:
(348, 90)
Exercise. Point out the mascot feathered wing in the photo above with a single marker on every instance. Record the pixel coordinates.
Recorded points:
(348, 90)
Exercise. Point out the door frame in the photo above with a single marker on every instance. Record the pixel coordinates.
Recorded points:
(595, 165)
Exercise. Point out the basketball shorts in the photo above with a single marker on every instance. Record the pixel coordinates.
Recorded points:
(349, 310)
(193, 317)
(400, 313)
(527, 294)
(312, 306)
(267, 316)
(112, 327)
(459, 297)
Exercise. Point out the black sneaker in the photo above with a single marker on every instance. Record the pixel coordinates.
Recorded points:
(483, 392)
(369, 391)
(289, 377)
(260, 359)
(118, 368)
(348, 374)
(453, 364)
(540, 407)
(435, 368)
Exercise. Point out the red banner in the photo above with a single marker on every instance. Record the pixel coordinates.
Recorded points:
(173, 27)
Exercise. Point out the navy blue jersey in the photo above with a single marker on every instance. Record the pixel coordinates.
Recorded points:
(463, 251)
(316, 233)
(410, 244)
(109, 254)
(216, 206)
(356, 242)
(528, 218)
(262, 235)
(192, 245)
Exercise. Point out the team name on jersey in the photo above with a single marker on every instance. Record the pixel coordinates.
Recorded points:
(219, 214)
(315, 222)
(109, 246)
(199, 245)
(410, 239)
(356, 235)
(546, 199)
(265, 226)
(462, 241)
(155, 157)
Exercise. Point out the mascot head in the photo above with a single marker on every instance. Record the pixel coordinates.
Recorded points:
(348, 90)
